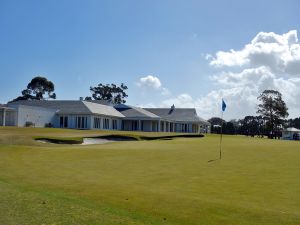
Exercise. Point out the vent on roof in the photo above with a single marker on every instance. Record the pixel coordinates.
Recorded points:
(172, 109)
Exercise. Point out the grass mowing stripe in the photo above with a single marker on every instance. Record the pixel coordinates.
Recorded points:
(67, 200)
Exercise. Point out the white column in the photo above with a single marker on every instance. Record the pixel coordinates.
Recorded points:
(158, 125)
(4, 117)
(91, 122)
(102, 123)
(139, 128)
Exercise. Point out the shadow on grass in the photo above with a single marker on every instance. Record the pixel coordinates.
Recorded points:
(213, 160)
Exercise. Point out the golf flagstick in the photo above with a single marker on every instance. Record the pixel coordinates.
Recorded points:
(221, 136)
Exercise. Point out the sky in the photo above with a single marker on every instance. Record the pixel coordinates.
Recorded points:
(186, 53)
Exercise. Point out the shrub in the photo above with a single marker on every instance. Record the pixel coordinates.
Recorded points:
(29, 124)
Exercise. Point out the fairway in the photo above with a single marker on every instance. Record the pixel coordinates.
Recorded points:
(148, 181)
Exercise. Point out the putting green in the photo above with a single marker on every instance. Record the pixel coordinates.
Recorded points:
(148, 181)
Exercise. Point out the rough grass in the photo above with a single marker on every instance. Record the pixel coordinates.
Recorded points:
(147, 182)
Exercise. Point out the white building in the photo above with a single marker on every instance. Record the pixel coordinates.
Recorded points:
(291, 133)
(79, 114)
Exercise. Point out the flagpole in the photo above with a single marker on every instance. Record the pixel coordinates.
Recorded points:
(221, 136)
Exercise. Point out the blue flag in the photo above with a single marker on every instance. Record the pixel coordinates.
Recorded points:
(223, 105)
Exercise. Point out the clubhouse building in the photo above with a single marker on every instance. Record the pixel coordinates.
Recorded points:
(101, 115)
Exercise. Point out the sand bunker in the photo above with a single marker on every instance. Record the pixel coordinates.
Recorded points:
(96, 141)
(87, 140)
(113, 138)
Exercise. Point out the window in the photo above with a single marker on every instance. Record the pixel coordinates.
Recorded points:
(106, 124)
(63, 122)
(97, 122)
(115, 126)
(81, 122)
(134, 125)
(66, 122)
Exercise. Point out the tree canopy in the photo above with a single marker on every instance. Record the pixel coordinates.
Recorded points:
(36, 90)
(273, 110)
(252, 125)
(110, 92)
(293, 123)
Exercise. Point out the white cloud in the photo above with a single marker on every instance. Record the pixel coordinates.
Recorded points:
(147, 105)
(239, 100)
(269, 61)
(183, 100)
(240, 91)
(152, 83)
(281, 53)
(149, 82)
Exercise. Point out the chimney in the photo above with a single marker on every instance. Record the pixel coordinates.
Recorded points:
(172, 109)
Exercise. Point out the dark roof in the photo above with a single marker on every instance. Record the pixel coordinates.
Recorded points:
(72, 107)
(177, 114)
(135, 112)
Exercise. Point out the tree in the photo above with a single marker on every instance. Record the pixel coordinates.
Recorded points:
(293, 123)
(252, 125)
(110, 92)
(216, 124)
(273, 110)
(228, 128)
(36, 89)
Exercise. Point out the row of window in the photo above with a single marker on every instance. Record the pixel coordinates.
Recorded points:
(106, 124)
(97, 122)
(80, 122)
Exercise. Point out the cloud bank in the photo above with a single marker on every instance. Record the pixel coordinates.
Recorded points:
(269, 61)
(280, 53)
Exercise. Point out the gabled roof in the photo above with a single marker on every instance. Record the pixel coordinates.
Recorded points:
(292, 129)
(177, 114)
(102, 102)
(104, 109)
(72, 107)
(135, 112)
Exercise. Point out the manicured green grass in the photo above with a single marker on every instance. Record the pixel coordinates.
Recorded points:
(147, 182)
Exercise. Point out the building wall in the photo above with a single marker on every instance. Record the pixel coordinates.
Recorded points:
(40, 116)
(290, 135)
(36, 115)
